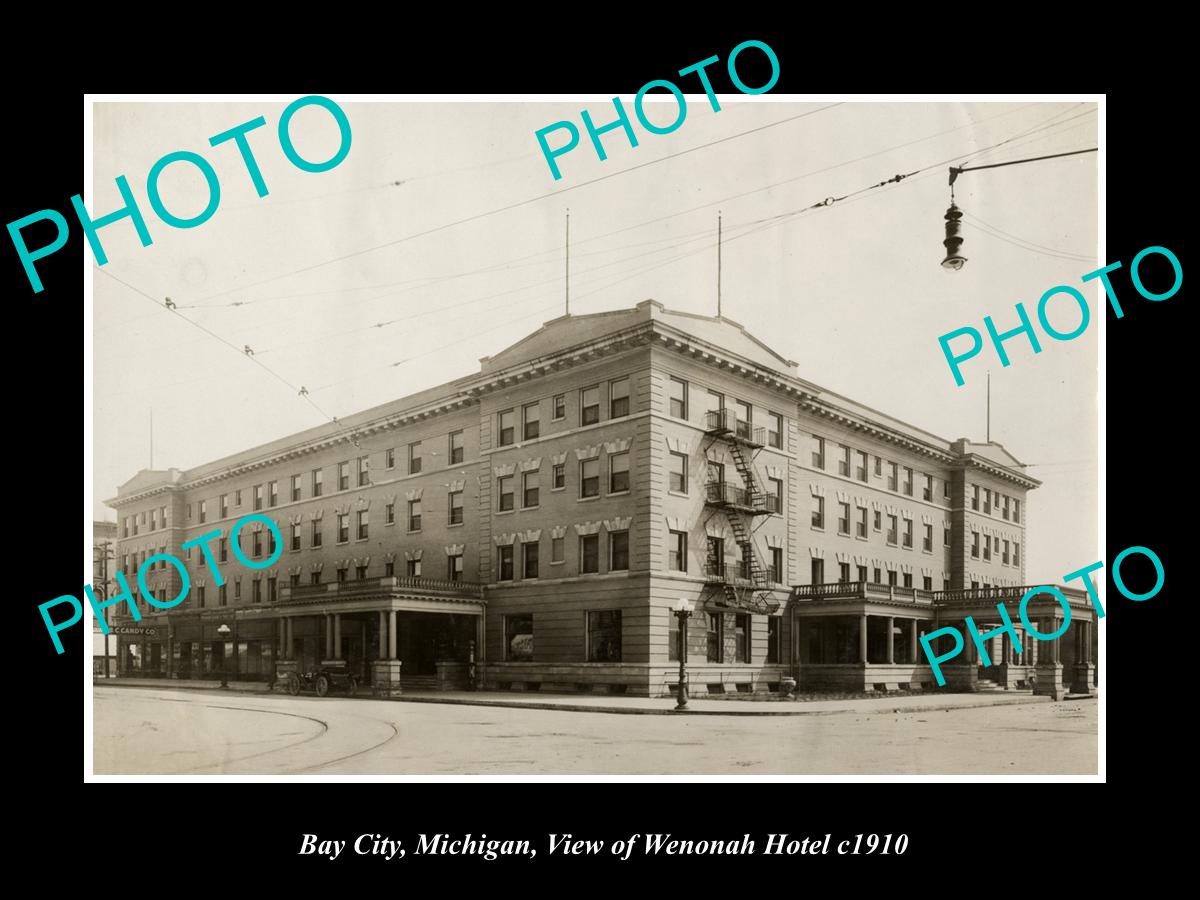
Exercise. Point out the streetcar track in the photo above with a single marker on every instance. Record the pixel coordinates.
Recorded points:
(395, 734)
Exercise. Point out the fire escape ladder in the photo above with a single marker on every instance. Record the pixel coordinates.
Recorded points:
(745, 469)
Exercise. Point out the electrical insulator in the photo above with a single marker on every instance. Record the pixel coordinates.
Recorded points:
(954, 260)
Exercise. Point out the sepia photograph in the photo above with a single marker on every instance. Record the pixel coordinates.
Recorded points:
(682, 435)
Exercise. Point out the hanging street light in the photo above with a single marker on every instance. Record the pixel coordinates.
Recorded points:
(954, 260)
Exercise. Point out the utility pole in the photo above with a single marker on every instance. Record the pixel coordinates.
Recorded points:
(718, 264)
(102, 590)
(568, 269)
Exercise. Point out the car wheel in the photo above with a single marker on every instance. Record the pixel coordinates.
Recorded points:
(293, 684)
(352, 688)
(322, 685)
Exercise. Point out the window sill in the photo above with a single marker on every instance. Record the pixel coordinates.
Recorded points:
(820, 528)
(505, 512)
(388, 524)
(843, 533)
(623, 493)
(413, 531)
(593, 497)
(861, 537)
(527, 508)
(558, 562)
(558, 489)
(678, 493)
(455, 524)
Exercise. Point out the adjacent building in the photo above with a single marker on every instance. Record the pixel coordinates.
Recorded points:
(532, 526)
(104, 647)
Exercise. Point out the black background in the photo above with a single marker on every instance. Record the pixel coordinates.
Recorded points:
(172, 833)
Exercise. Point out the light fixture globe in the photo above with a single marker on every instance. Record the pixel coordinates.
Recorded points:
(954, 260)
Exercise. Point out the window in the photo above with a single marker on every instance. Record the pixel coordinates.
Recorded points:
(1004, 511)
(389, 514)
(818, 513)
(507, 427)
(744, 564)
(877, 576)
(773, 639)
(529, 552)
(844, 462)
(414, 515)
(389, 458)
(863, 459)
(777, 565)
(862, 573)
(818, 455)
(589, 478)
(222, 595)
(529, 489)
(843, 573)
(317, 486)
(745, 418)
(893, 522)
(677, 390)
(891, 577)
(341, 575)
(504, 488)
(975, 497)
(273, 493)
(414, 459)
(414, 568)
(558, 476)
(927, 583)
(389, 569)
(927, 491)
(343, 527)
(987, 500)
(343, 476)
(203, 514)
(775, 430)
(817, 571)
(716, 556)
(975, 544)
(862, 521)
(908, 534)
(223, 549)
(844, 518)
(589, 553)
(618, 472)
(224, 506)
(518, 638)
(878, 523)
(946, 488)
(589, 405)
(618, 398)
(295, 537)
(716, 472)
(531, 421)
(559, 406)
(314, 578)
(237, 590)
(741, 638)
(908, 579)
(716, 403)
(908, 481)
(879, 466)
(558, 549)
(1005, 557)
(295, 494)
(362, 524)
(360, 573)
(604, 635)
(200, 596)
(677, 551)
(316, 533)
(946, 537)
(1016, 554)
(927, 541)
(618, 551)
(456, 508)
(987, 547)
(1016, 510)
(776, 486)
(456, 447)
(504, 561)
(677, 477)
(893, 476)
(715, 636)
(454, 566)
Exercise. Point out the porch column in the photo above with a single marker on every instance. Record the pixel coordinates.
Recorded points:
(337, 635)
(914, 644)
(382, 635)
(1006, 653)
(862, 639)
(391, 631)
(891, 657)
(282, 638)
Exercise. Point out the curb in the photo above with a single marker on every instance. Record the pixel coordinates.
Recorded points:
(636, 711)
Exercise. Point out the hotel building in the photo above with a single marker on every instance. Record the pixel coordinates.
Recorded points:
(532, 526)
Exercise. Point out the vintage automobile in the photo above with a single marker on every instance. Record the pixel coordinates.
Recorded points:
(322, 681)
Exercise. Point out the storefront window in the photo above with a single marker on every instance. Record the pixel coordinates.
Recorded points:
(518, 638)
(604, 636)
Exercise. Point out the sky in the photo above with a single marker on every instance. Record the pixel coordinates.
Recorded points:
(439, 240)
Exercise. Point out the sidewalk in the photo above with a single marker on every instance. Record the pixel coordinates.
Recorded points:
(643, 705)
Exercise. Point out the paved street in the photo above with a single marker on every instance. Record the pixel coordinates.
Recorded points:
(162, 731)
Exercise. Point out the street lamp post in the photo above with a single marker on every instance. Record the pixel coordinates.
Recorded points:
(683, 609)
(223, 630)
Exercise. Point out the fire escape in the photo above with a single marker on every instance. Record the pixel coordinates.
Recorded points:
(748, 587)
